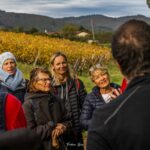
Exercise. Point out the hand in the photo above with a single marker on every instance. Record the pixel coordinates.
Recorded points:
(56, 132)
(115, 93)
(61, 127)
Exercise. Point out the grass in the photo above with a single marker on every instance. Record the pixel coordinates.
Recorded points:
(114, 72)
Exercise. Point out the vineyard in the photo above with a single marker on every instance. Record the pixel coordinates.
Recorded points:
(38, 49)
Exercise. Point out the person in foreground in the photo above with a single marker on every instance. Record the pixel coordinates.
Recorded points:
(20, 139)
(123, 124)
(44, 113)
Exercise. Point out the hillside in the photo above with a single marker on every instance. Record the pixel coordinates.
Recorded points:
(28, 21)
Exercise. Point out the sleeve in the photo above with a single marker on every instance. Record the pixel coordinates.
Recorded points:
(81, 93)
(44, 130)
(14, 114)
(86, 113)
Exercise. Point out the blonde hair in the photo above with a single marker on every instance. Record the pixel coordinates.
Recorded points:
(97, 67)
(52, 59)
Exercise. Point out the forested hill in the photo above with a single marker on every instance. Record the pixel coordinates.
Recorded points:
(28, 21)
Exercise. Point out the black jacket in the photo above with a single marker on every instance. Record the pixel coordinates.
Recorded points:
(92, 101)
(74, 93)
(43, 112)
(20, 139)
(19, 92)
(123, 124)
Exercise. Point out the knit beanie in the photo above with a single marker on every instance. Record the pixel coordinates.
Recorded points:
(4, 56)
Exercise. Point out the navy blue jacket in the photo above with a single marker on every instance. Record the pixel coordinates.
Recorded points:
(92, 101)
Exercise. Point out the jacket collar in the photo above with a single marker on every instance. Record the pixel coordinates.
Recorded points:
(141, 80)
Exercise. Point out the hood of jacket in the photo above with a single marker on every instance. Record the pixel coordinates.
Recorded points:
(34, 95)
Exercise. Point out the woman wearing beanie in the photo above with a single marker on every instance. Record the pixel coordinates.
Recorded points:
(11, 78)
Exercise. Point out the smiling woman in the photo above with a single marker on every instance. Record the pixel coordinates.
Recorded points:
(41, 81)
(102, 93)
(44, 113)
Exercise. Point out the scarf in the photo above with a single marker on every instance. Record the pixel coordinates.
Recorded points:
(12, 81)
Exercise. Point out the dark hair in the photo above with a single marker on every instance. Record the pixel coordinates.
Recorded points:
(131, 48)
(33, 76)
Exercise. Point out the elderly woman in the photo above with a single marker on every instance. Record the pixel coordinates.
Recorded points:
(70, 90)
(11, 78)
(101, 94)
(44, 113)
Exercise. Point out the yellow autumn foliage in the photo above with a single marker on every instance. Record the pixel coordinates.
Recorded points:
(26, 48)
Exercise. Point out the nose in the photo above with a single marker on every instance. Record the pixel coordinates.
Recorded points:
(48, 81)
(61, 65)
(100, 77)
(9, 65)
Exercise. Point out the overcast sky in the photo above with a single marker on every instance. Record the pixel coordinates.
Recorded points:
(66, 8)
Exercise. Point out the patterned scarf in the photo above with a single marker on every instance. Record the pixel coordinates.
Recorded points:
(13, 82)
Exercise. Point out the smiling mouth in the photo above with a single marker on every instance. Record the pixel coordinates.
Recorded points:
(104, 81)
(10, 70)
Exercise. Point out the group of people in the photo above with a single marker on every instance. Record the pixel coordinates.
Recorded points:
(55, 106)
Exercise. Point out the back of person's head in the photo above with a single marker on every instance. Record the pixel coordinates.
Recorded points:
(20, 139)
(131, 48)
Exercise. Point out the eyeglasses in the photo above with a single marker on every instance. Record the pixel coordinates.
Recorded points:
(44, 79)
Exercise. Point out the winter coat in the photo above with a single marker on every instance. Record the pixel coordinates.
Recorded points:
(123, 124)
(92, 101)
(43, 111)
(11, 113)
(72, 93)
(19, 92)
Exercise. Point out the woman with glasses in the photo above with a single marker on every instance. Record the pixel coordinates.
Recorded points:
(102, 93)
(70, 90)
(11, 78)
(44, 113)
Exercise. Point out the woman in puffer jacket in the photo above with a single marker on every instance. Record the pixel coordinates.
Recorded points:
(102, 93)
(70, 90)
